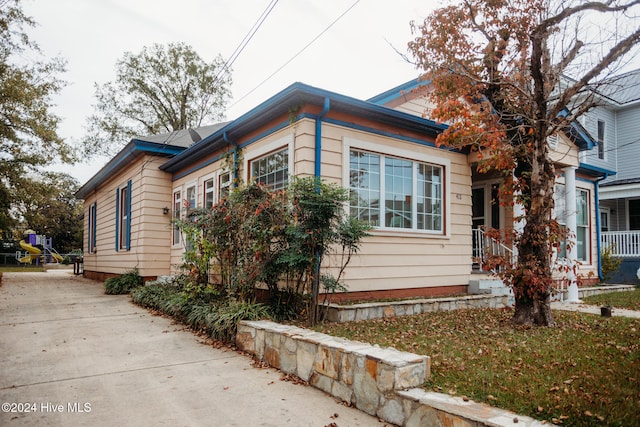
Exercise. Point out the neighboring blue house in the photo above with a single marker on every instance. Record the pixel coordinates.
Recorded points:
(616, 126)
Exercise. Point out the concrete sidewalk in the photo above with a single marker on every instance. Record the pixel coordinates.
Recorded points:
(593, 309)
(70, 355)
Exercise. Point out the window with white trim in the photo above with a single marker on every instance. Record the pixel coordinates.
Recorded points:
(601, 143)
(412, 192)
(209, 193)
(582, 224)
(177, 206)
(224, 185)
(191, 197)
(123, 217)
(582, 220)
(272, 170)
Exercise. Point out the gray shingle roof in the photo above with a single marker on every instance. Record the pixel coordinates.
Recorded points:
(624, 88)
(184, 137)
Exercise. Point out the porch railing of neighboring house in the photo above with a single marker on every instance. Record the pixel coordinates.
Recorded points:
(622, 243)
(485, 247)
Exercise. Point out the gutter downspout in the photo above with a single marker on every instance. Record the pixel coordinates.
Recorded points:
(317, 171)
(597, 196)
(235, 158)
(319, 117)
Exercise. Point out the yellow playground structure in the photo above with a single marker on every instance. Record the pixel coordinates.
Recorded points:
(45, 255)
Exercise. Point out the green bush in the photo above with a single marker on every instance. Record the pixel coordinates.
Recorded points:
(609, 263)
(224, 323)
(123, 284)
(218, 319)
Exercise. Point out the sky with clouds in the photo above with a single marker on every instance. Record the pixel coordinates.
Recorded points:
(357, 56)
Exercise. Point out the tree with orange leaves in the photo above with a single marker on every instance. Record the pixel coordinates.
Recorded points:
(507, 74)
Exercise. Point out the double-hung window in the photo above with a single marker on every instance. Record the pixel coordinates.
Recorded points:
(177, 205)
(582, 220)
(396, 193)
(123, 217)
(92, 228)
(191, 198)
(272, 170)
(601, 142)
(224, 185)
(209, 193)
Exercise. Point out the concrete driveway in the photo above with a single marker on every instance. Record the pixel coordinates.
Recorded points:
(70, 355)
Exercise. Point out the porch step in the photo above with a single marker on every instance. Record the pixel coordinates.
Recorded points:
(490, 286)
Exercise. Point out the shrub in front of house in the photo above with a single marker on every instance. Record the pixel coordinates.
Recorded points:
(123, 284)
(217, 317)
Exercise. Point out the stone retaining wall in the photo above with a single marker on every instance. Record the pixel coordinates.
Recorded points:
(377, 310)
(379, 381)
(597, 290)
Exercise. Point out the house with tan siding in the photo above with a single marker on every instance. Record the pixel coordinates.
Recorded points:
(426, 203)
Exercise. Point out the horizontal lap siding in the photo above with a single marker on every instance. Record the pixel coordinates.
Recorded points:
(150, 189)
(389, 260)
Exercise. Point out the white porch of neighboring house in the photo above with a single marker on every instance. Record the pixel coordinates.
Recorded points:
(620, 227)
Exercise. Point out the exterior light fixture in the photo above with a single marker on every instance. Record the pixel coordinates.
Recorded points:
(165, 210)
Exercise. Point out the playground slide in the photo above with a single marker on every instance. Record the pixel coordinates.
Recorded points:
(56, 256)
(33, 252)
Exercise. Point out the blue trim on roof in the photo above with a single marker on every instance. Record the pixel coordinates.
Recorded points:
(132, 150)
(396, 92)
(595, 170)
(156, 148)
(295, 95)
(578, 133)
(284, 124)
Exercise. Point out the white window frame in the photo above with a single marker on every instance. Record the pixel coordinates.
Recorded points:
(223, 187)
(607, 212)
(602, 143)
(176, 213)
(276, 145)
(586, 227)
(212, 191)
(349, 144)
(187, 187)
(561, 217)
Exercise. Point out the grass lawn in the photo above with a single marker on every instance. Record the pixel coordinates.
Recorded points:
(20, 269)
(584, 372)
(627, 299)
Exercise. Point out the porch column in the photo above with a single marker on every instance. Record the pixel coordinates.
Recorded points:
(571, 218)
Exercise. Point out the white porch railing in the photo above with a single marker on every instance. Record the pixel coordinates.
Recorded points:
(485, 246)
(622, 243)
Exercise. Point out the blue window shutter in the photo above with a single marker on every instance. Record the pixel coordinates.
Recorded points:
(94, 227)
(95, 224)
(117, 219)
(128, 231)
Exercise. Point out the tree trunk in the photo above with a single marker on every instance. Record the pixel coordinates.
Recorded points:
(532, 280)
(533, 311)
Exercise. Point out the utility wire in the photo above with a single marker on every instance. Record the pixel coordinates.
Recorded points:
(297, 54)
(247, 38)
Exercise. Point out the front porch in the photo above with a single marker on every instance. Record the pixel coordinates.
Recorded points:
(624, 244)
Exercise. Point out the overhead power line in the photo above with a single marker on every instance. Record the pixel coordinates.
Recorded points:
(298, 53)
(245, 41)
